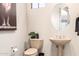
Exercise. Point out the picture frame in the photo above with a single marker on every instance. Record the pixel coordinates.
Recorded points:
(7, 16)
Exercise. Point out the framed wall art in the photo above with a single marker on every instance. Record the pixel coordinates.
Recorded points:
(7, 16)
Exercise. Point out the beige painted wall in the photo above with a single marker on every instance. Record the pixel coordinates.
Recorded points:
(16, 38)
(39, 20)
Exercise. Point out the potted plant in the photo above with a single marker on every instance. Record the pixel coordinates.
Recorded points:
(33, 35)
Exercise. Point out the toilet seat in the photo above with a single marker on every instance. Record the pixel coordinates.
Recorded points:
(31, 52)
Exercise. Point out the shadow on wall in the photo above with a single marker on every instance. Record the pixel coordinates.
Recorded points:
(53, 50)
(26, 45)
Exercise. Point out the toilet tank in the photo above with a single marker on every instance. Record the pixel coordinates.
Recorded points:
(36, 43)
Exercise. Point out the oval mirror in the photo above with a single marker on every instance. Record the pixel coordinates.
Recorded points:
(60, 17)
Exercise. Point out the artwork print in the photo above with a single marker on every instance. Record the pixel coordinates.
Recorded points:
(7, 16)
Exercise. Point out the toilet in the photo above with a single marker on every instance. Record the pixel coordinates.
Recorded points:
(35, 46)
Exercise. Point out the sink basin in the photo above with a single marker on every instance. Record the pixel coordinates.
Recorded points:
(60, 40)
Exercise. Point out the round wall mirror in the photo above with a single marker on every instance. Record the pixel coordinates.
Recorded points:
(60, 17)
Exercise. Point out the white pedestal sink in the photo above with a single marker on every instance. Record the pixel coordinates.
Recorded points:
(60, 43)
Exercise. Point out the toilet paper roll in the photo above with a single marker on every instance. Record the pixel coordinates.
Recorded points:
(15, 49)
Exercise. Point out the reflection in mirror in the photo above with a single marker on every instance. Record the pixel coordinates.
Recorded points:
(64, 17)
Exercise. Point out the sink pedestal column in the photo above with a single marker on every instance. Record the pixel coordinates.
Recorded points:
(60, 49)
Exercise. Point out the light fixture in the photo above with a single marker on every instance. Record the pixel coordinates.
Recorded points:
(37, 5)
